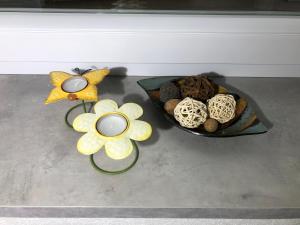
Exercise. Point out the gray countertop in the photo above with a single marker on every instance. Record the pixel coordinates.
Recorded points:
(177, 175)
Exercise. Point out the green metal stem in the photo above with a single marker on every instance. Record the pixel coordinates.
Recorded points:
(75, 107)
(84, 106)
(115, 172)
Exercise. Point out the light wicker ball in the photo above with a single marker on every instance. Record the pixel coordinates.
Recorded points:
(222, 107)
(190, 113)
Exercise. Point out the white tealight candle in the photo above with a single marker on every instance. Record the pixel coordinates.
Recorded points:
(74, 84)
(111, 125)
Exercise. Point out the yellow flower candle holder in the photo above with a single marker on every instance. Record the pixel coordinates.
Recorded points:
(116, 129)
(76, 87)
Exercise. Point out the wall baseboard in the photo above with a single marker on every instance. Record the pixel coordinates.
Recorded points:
(36, 43)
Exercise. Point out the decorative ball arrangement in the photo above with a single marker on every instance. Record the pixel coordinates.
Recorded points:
(190, 113)
(198, 103)
(169, 91)
(222, 107)
(209, 109)
(170, 105)
(196, 87)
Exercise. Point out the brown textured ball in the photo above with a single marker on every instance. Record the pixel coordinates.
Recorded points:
(170, 105)
(169, 91)
(211, 125)
(196, 87)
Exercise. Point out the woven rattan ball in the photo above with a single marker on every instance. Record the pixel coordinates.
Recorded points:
(190, 113)
(222, 107)
(196, 87)
(169, 91)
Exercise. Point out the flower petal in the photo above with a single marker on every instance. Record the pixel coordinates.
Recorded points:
(96, 76)
(57, 77)
(89, 143)
(105, 106)
(84, 122)
(89, 93)
(118, 149)
(55, 95)
(131, 110)
(139, 130)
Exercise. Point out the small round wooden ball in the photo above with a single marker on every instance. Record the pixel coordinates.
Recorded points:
(211, 125)
(170, 105)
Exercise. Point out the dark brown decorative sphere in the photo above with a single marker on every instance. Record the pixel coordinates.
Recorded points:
(169, 91)
(211, 125)
(170, 105)
(196, 87)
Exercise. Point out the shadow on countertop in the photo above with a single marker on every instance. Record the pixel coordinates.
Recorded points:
(117, 76)
(151, 115)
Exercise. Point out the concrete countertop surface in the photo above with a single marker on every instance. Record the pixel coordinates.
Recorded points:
(177, 174)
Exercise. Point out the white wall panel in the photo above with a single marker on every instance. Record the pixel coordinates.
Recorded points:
(150, 44)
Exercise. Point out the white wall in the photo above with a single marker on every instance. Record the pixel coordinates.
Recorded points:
(36, 43)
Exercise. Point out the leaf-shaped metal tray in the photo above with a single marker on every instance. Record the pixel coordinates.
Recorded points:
(245, 123)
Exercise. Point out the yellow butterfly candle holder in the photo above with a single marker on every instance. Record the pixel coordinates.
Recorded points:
(76, 87)
(114, 129)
